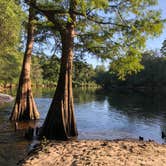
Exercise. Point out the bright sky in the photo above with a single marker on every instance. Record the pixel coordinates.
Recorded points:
(152, 44)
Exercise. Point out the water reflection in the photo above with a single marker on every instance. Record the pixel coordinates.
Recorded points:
(99, 116)
(84, 95)
(145, 114)
(118, 115)
(115, 115)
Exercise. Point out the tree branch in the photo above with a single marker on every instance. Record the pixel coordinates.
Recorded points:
(50, 14)
(90, 18)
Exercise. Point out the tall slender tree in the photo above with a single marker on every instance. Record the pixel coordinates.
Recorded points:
(109, 29)
(25, 107)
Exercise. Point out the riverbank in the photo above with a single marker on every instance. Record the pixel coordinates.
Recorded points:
(97, 152)
(4, 98)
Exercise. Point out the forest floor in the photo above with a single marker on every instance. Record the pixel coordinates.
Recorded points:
(4, 98)
(98, 153)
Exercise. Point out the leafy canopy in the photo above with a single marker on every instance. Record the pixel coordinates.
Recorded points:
(108, 29)
(11, 18)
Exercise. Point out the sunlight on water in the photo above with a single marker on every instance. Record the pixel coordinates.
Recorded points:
(99, 115)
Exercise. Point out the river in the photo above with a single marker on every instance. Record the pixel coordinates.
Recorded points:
(99, 115)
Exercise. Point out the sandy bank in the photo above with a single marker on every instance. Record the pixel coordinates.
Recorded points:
(4, 98)
(98, 153)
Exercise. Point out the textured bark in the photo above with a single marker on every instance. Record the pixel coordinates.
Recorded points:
(25, 107)
(60, 121)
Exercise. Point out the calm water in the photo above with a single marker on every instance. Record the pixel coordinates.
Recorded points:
(99, 115)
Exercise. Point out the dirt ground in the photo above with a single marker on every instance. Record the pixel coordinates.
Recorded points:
(98, 153)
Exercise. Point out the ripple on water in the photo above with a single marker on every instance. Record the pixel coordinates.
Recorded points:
(99, 116)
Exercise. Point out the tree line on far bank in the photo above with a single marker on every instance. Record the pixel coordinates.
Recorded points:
(151, 77)
(44, 71)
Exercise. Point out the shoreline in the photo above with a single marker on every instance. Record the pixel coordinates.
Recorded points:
(130, 152)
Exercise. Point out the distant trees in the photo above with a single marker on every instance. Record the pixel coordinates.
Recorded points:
(36, 71)
(51, 68)
(102, 76)
(83, 74)
(44, 71)
(152, 75)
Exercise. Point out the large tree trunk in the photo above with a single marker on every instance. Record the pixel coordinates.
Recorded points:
(60, 121)
(25, 107)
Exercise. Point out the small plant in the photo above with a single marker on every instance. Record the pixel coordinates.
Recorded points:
(44, 143)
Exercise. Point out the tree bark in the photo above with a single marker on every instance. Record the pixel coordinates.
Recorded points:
(60, 121)
(25, 107)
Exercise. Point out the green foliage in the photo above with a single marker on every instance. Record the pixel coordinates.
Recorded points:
(101, 76)
(153, 75)
(36, 71)
(11, 18)
(44, 70)
(83, 74)
(10, 67)
(119, 31)
(115, 30)
(44, 144)
(50, 67)
(127, 65)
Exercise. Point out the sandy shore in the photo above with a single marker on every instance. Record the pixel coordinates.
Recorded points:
(98, 153)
